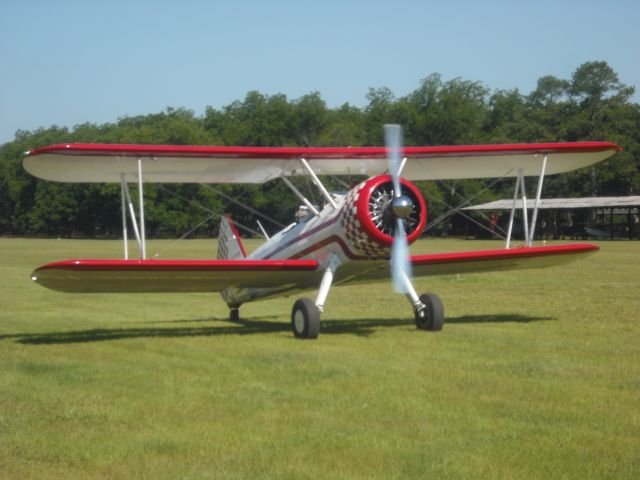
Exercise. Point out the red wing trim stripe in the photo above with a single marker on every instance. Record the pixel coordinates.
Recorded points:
(184, 265)
(525, 252)
(87, 149)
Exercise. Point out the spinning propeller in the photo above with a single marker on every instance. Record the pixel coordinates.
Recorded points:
(402, 206)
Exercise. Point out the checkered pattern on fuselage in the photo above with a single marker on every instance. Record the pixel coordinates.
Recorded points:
(359, 241)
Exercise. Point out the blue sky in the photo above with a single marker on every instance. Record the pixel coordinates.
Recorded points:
(67, 62)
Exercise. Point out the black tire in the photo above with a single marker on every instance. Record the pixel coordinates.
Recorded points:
(433, 314)
(305, 319)
(234, 315)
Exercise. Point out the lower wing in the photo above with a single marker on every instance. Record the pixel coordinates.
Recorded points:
(481, 261)
(147, 276)
(499, 260)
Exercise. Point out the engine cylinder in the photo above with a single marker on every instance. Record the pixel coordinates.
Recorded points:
(369, 220)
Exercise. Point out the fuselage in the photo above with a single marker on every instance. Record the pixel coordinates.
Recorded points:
(355, 232)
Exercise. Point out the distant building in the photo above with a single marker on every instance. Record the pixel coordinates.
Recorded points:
(589, 217)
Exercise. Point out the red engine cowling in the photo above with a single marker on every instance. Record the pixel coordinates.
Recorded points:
(368, 220)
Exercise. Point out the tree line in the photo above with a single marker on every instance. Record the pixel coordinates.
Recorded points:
(592, 105)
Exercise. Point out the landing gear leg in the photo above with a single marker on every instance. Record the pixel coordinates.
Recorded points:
(305, 316)
(427, 308)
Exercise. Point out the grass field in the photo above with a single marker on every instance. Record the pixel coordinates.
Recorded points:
(535, 375)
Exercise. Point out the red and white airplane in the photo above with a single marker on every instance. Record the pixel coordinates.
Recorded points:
(360, 236)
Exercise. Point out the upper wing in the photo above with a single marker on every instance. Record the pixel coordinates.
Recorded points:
(104, 276)
(480, 261)
(193, 164)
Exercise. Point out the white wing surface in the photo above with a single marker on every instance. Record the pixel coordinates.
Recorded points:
(196, 164)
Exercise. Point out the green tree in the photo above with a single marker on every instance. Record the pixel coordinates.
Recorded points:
(309, 119)
(592, 105)
(345, 127)
(446, 113)
(506, 120)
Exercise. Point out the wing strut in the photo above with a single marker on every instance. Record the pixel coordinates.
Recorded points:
(132, 213)
(529, 230)
(124, 217)
(300, 195)
(318, 183)
(138, 227)
(532, 230)
(143, 246)
(513, 210)
(525, 211)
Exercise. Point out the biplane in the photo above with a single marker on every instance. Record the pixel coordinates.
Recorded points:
(361, 235)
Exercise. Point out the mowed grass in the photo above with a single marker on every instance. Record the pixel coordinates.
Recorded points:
(535, 375)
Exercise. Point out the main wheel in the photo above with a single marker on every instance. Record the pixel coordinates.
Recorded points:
(234, 315)
(305, 319)
(432, 317)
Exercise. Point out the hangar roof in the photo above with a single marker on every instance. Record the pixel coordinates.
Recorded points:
(563, 203)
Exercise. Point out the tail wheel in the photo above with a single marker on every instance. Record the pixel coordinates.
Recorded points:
(305, 319)
(432, 316)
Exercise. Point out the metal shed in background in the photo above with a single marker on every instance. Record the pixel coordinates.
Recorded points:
(599, 217)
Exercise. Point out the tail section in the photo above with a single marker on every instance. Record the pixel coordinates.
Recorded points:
(229, 242)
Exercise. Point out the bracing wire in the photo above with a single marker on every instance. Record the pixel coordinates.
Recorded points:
(480, 212)
(206, 209)
(310, 189)
(453, 210)
(341, 182)
(157, 254)
(501, 233)
(244, 205)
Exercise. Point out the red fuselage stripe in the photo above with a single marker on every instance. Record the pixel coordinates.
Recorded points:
(306, 234)
(328, 241)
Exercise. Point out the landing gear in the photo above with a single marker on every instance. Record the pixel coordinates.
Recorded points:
(305, 319)
(431, 316)
(427, 308)
(305, 316)
(234, 314)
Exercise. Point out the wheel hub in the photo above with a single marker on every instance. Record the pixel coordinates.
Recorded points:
(298, 321)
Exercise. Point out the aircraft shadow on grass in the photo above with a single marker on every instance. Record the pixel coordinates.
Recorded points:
(363, 328)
